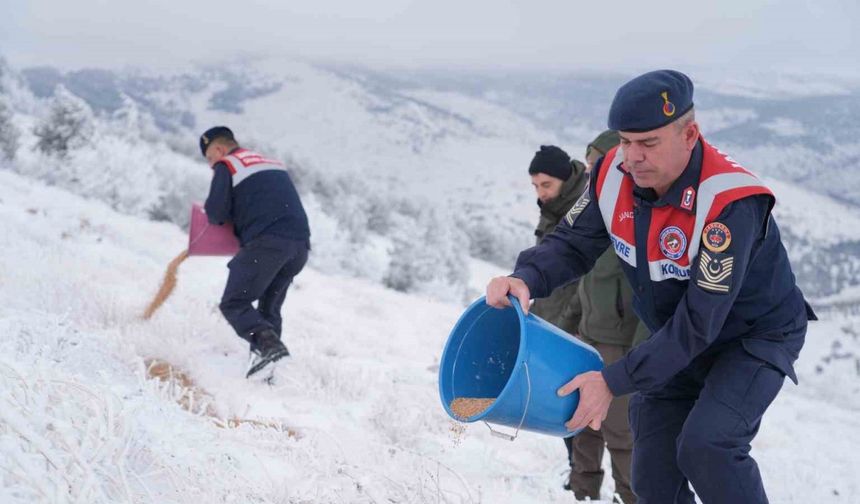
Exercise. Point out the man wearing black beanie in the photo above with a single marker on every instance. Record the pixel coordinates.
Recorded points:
(553, 161)
(558, 181)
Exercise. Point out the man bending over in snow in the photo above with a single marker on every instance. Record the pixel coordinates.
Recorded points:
(256, 194)
(711, 279)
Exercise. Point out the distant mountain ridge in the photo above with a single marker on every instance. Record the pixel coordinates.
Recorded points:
(458, 144)
(808, 136)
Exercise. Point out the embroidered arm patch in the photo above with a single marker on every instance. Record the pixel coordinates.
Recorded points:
(715, 271)
(577, 207)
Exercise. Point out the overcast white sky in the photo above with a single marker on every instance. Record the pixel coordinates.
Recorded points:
(796, 35)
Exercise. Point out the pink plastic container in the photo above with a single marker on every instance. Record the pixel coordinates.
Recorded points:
(205, 239)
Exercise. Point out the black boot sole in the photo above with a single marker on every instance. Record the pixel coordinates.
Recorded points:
(274, 357)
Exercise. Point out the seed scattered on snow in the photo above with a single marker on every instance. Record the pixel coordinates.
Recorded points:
(457, 431)
(194, 399)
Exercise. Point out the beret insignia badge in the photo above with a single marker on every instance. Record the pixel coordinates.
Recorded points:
(668, 107)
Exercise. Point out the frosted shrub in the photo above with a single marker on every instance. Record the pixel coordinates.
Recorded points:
(429, 254)
(360, 226)
(9, 133)
(69, 124)
(494, 239)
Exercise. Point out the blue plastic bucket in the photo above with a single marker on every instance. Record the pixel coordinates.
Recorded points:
(521, 361)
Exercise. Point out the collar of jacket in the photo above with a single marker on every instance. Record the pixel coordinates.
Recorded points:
(232, 151)
(571, 189)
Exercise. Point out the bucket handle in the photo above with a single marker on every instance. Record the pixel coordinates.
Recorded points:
(510, 437)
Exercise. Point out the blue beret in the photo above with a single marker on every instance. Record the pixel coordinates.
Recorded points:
(651, 101)
(213, 133)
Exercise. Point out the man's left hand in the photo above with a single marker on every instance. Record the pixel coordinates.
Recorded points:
(594, 399)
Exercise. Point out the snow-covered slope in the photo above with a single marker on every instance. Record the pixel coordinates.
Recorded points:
(386, 177)
(80, 422)
(431, 164)
(822, 237)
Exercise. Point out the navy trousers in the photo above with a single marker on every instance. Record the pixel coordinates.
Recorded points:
(698, 428)
(261, 272)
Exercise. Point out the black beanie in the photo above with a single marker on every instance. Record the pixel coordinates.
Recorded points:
(552, 161)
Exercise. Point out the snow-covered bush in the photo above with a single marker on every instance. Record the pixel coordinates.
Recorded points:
(9, 133)
(120, 158)
(69, 124)
(359, 226)
(429, 255)
(405, 243)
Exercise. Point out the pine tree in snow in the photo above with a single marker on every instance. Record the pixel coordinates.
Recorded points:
(133, 123)
(428, 254)
(69, 124)
(9, 133)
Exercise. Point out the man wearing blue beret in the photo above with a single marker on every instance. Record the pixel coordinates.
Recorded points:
(711, 279)
(256, 194)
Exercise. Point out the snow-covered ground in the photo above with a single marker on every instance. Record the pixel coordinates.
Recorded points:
(80, 422)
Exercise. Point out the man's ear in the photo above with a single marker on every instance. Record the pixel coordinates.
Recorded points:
(691, 135)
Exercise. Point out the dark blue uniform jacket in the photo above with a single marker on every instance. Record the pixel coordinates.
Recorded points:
(264, 203)
(762, 309)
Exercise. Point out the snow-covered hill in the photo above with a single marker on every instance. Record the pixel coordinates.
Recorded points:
(81, 422)
(426, 169)
(799, 127)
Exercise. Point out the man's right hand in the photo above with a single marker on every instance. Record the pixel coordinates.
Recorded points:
(499, 288)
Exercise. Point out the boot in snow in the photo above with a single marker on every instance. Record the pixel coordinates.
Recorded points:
(265, 352)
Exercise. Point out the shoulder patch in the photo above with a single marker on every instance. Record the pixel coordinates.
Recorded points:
(716, 237)
(715, 272)
(577, 208)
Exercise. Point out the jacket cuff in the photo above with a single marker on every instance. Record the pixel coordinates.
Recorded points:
(531, 277)
(617, 378)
